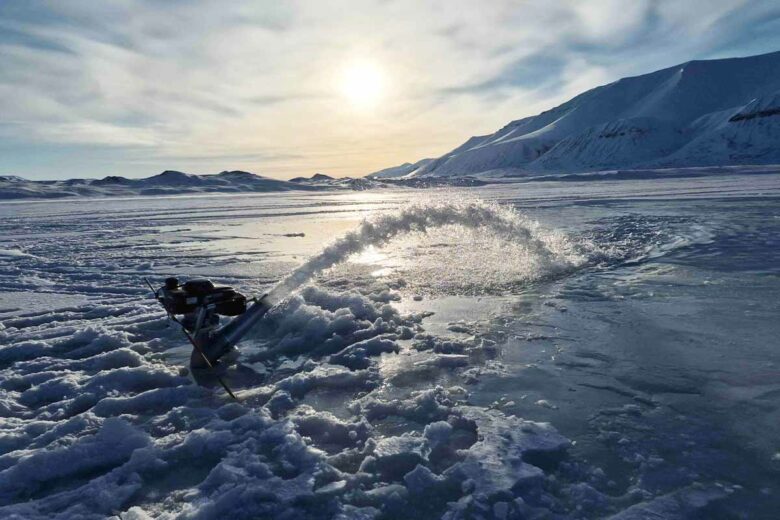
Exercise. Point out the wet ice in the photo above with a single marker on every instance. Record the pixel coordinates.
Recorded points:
(357, 402)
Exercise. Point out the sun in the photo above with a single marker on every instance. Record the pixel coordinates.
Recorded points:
(362, 84)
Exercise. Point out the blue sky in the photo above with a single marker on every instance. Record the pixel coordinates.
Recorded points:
(134, 87)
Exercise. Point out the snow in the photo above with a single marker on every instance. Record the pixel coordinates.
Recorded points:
(674, 506)
(113, 444)
(403, 170)
(648, 121)
(166, 183)
(325, 181)
(173, 183)
(359, 400)
(621, 143)
(750, 135)
(12, 252)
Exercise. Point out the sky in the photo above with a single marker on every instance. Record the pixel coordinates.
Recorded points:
(90, 88)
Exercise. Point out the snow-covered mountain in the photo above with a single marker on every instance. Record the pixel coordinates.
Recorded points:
(751, 135)
(396, 172)
(326, 181)
(714, 112)
(317, 177)
(166, 183)
(179, 183)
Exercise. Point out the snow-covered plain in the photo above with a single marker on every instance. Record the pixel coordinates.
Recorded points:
(539, 350)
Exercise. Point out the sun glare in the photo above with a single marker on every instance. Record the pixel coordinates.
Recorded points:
(363, 84)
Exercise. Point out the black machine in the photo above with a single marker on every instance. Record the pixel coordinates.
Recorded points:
(200, 304)
(189, 296)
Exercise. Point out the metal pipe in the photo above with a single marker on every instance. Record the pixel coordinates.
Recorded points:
(229, 335)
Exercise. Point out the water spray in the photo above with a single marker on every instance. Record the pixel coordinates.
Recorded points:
(502, 221)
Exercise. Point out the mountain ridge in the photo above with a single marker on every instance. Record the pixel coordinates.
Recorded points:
(686, 115)
(169, 182)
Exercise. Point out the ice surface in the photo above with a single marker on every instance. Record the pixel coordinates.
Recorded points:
(358, 399)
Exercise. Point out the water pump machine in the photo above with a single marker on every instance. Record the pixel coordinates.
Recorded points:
(197, 304)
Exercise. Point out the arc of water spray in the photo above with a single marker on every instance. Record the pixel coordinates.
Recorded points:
(419, 217)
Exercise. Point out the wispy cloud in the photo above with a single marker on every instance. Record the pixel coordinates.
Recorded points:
(139, 85)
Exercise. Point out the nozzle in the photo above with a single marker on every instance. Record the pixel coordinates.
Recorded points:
(237, 329)
(223, 341)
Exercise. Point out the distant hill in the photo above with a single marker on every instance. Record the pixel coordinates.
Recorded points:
(172, 182)
(166, 183)
(700, 113)
(317, 177)
(326, 181)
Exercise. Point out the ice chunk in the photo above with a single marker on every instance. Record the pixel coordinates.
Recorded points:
(356, 356)
(113, 444)
(395, 456)
(496, 462)
(678, 505)
(135, 513)
(326, 376)
(422, 481)
(423, 406)
(327, 430)
(152, 401)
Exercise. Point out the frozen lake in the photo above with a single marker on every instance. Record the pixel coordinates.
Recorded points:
(615, 352)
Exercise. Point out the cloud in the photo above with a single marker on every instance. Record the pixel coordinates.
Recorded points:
(190, 85)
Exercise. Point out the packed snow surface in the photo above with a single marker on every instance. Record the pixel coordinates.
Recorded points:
(538, 350)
